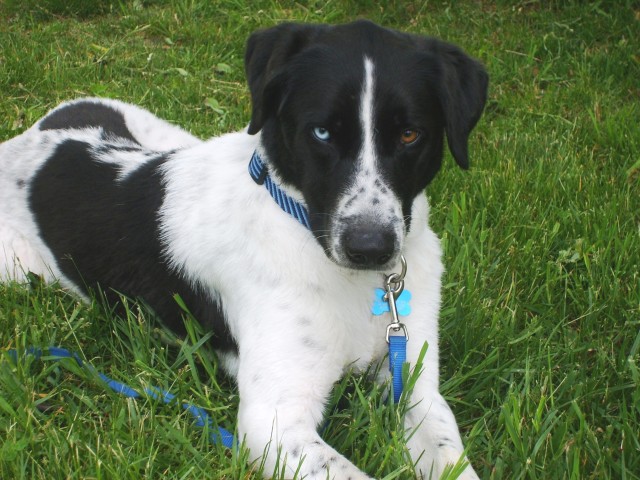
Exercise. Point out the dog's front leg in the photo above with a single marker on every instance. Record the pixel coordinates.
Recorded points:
(284, 381)
(434, 440)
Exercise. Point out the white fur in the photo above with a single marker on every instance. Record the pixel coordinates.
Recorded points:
(299, 319)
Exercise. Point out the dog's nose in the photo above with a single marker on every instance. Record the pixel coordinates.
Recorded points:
(369, 247)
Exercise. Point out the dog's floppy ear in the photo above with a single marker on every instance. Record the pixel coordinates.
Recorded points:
(463, 94)
(266, 56)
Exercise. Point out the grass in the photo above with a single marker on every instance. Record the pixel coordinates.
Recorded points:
(541, 315)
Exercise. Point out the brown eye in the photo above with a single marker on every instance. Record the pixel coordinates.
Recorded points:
(408, 136)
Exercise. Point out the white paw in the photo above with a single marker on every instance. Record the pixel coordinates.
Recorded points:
(321, 462)
(447, 460)
(311, 460)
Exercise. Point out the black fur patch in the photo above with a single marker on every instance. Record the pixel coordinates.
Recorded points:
(104, 233)
(85, 114)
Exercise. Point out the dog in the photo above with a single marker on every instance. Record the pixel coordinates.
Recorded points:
(276, 236)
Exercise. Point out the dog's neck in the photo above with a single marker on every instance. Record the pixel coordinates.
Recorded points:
(289, 201)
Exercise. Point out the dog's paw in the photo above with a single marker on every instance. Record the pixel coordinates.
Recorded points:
(308, 458)
(468, 474)
(342, 470)
(434, 441)
(447, 460)
(321, 462)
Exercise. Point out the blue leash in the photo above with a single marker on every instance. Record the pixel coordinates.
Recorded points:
(394, 298)
(397, 358)
(218, 435)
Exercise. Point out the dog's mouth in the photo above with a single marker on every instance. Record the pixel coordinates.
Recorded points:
(365, 268)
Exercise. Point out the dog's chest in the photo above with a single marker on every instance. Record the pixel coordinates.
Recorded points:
(332, 321)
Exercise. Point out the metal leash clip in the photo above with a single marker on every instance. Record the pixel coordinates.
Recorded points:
(394, 285)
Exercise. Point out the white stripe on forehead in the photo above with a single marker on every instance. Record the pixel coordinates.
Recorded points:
(368, 202)
(367, 155)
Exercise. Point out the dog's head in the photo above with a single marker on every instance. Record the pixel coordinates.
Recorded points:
(354, 117)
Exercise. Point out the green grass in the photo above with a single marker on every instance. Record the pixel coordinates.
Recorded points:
(541, 315)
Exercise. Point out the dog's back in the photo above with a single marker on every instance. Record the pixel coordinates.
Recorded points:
(89, 120)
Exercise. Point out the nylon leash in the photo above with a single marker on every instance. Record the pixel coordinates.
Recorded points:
(397, 358)
(218, 436)
(394, 298)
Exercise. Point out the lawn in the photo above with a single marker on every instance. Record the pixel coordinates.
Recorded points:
(540, 324)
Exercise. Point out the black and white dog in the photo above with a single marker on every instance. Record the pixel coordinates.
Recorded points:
(347, 130)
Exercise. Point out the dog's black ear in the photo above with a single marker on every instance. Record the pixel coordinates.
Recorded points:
(266, 57)
(463, 94)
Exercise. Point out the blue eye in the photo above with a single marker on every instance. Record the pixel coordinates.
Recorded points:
(321, 134)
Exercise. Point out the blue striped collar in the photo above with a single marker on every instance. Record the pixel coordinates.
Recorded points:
(259, 171)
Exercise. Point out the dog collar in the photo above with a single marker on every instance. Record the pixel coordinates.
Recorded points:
(260, 174)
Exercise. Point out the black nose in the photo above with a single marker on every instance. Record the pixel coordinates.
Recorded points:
(368, 247)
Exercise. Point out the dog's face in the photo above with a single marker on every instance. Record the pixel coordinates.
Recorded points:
(354, 117)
